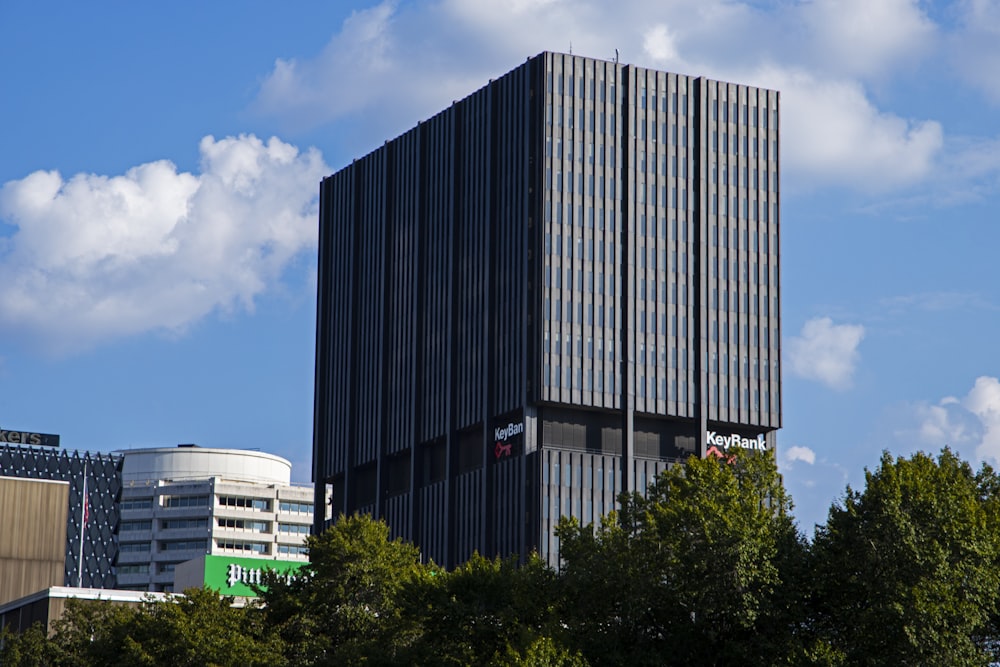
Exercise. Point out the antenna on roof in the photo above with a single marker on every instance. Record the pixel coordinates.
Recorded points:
(571, 48)
(616, 56)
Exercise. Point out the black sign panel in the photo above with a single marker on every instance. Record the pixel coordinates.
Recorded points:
(28, 438)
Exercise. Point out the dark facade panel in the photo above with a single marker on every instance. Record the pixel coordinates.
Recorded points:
(473, 195)
(398, 516)
(432, 531)
(510, 497)
(467, 505)
(402, 266)
(512, 207)
(370, 310)
(334, 317)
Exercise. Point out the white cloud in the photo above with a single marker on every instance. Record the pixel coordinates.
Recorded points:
(799, 453)
(833, 134)
(660, 44)
(946, 423)
(826, 352)
(984, 402)
(350, 74)
(95, 258)
(393, 64)
(970, 424)
(865, 38)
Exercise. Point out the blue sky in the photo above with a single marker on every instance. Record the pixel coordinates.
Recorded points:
(159, 165)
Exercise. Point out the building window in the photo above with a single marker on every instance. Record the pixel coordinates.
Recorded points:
(137, 504)
(290, 507)
(261, 504)
(185, 501)
(293, 550)
(128, 526)
(244, 524)
(184, 545)
(251, 547)
(293, 528)
(176, 524)
(133, 547)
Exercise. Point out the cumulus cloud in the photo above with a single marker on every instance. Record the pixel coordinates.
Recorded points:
(94, 258)
(970, 424)
(393, 64)
(867, 38)
(826, 352)
(798, 453)
(832, 133)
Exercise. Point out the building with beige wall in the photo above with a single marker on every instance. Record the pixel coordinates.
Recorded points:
(33, 524)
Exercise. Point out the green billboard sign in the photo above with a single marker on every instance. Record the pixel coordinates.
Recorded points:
(231, 575)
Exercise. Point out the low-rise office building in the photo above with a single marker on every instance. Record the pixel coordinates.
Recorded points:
(181, 503)
(49, 604)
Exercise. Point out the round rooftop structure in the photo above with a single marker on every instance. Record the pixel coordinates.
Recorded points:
(190, 462)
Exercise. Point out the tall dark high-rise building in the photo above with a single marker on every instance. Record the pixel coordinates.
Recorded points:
(541, 297)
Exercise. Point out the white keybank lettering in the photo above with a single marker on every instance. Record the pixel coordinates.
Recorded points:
(736, 440)
(508, 431)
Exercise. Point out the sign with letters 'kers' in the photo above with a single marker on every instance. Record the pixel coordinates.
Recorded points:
(28, 438)
(506, 435)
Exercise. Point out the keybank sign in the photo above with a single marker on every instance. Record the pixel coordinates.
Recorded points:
(501, 433)
(735, 440)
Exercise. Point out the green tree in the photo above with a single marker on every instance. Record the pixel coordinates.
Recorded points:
(906, 571)
(198, 628)
(343, 608)
(542, 652)
(483, 611)
(77, 637)
(690, 574)
(30, 648)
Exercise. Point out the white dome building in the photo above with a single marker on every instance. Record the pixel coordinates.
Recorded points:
(188, 462)
(179, 503)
